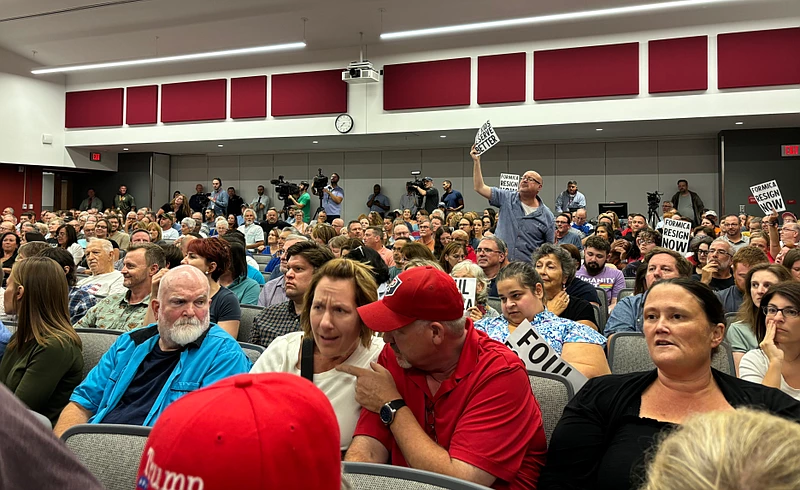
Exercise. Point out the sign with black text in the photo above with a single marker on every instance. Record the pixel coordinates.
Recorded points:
(768, 197)
(466, 286)
(676, 235)
(509, 182)
(540, 357)
(486, 138)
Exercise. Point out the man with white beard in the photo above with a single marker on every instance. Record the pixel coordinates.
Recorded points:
(148, 368)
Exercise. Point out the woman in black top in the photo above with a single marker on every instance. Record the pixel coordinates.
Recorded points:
(557, 268)
(610, 426)
(179, 205)
(10, 244)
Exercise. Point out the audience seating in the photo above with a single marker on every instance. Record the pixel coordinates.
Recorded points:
(602, 298)
(599, 317)
(262, 259)
(168, 241)
(96, 342)
(553, 393)
(630, 282)
(730, 318)
(369, 476)
(252, 351)
(41, 418)
(625, 293)
(627, 353)
(266, 275)
(111, 452)
(496, 304)
(249, 313)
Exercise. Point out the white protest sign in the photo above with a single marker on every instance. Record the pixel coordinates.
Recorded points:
(486, 138)
(539, 357)
(509, 182)
(768, 197)
(466, 286)
(676, 235)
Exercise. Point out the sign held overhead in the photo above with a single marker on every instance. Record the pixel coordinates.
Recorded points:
(676, 235)
(768, 197)
(486, 138)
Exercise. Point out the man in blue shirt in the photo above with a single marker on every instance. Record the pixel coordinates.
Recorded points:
(525, 222)
(148, 368)
(570, 199)
(218, 200)
(332, 197)
(378, 202)
(452, 199)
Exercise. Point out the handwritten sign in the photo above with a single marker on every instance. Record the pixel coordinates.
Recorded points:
(538, 356)
(676, 235)
(467, 286)
(768, 197)
(486, 138)
(509, 182)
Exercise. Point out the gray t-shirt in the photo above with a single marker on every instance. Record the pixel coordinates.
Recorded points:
(685, 208)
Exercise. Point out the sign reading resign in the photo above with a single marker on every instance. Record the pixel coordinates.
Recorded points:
(509, 182)
(486, 138)
(676, 235)
(768, 197)
(466, 286)
(539, 357)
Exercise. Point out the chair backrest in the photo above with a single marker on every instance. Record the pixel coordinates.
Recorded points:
(249, 313)
(266, 275)
(252, 351)
(553, 393)
(96, 342)
(599, 317)
(42, 419)
(730, 318)
(496, 304)
(369, 476)
(602, 298)
(624, 293)
(262, 259)
(630, 282)
(627, 353)
(111, 452)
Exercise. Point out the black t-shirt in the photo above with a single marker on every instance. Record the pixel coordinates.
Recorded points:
(431, 199)
(224, 306)
(717, 284)
(147, 383)
(179, 214)
(579, 288)
(267, 226)
(578, 310)
(235, 204)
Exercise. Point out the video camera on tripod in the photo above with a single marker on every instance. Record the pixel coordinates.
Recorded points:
(319, 183)
(284, 188)
(653, 200)
(417, 182)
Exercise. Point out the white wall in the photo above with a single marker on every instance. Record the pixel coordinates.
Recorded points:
(618, 171)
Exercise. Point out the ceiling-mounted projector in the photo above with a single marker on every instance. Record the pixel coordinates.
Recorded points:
(360, 72)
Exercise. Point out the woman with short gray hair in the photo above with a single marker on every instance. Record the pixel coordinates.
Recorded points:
(481, 309)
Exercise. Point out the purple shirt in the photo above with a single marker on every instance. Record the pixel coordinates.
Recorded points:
(609, 280)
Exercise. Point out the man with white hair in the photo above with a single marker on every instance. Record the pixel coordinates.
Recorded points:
(104, 279)
(717, 271)
(253, 233)
(148, 368)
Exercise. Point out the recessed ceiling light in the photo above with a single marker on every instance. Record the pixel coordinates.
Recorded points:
(443, 136)
(599, 129)
(315, 142)
(739, 123)
(220, 146)
(545, 19)
(124, 149)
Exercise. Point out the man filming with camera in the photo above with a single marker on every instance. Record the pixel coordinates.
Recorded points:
(302, 201)
(431, 195)
(332, 197)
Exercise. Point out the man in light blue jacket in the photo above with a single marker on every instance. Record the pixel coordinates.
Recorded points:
(148, 368)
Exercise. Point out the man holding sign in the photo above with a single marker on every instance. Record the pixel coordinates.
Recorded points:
(444, 397)
(525, 222)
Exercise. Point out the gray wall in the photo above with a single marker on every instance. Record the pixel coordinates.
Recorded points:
(133, 172)
(753, 157)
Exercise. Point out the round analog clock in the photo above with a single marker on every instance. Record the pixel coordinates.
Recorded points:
(344, 123)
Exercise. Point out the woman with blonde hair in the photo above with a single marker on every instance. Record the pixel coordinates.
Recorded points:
(43, 362)
(375, 219)
(332, 335)
(155, 232)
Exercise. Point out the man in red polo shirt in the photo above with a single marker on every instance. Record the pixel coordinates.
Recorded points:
(444, 397)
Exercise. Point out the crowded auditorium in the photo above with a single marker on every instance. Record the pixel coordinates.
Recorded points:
(431, 245)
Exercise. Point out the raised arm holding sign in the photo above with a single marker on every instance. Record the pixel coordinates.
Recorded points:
(768, 197)
(486, 138)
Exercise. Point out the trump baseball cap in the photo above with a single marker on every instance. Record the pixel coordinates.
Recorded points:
(421, 293)
(250, 431)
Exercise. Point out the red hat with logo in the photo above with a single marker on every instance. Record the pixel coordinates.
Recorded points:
(421, 293)
(250, 431)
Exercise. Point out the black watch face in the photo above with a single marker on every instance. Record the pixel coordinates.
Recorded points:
(386, 414)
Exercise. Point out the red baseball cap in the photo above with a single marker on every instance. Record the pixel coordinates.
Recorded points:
(421, 293)
(250, 431)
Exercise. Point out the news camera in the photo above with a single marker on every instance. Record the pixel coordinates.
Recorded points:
(320, 181)
(284, 188)
(417, 182)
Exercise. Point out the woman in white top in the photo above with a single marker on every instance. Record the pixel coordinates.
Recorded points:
(776, 362)
(330, 318)
(68, 239)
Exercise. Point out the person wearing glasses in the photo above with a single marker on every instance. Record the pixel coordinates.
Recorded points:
(525, 222)
(565, 233)
(776, 362)
(717, 271)
(492, 256)
(646, 240)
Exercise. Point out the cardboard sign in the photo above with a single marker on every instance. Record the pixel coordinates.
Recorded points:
(676, 235)
(539, 357)
(768, 197)
(467, 287)
(509, 182)
(486, 138)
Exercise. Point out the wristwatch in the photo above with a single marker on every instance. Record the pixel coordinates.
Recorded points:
(390, 409)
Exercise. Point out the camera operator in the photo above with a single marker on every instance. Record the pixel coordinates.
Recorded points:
(302, 201)
(332, 197)
(199, 201)
(431, 195)
(410, 200)
(218, 200)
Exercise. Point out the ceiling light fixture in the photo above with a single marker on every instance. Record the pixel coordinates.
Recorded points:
(220, 146)
(315, 142)
(739, 123)
(599, 129)
(443, 136)
(124, 149)
(171, 59)
(545, 19)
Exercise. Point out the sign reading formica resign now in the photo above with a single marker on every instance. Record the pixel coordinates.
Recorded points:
(676, 235)
(768, 197)
(509, 182)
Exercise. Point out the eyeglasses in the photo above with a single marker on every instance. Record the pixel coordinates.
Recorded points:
(787, 312)
(713, 251)
(430, 422)
(530, 179)
(702, 252)
(101, 227)
(486, 251)
(644, 242)
(562, 222)
(421, 227)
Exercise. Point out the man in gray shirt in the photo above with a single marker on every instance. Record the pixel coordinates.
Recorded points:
(688, 203)
(565, 233)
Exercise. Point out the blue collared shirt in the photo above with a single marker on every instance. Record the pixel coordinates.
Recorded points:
(565, 200)
(329, 205)
(628, 316)
(522, 233)
(213, 356)
(221, 206)
(556, 331)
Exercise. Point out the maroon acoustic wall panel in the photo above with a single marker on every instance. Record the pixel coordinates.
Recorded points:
(141, 105)
(759, 58)
(249, 97)
(678, 65)
(310, 93)
(194, 101)
(94, 108)
(501, 78)
(427, 84)
(595, 71)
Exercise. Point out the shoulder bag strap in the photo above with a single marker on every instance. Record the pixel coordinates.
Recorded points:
(307, 359)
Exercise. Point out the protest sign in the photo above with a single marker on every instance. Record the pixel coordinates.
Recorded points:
(466, 286)
(509, 182)
(539, 357)
(676, 235)
(486, 138)
(768, 197)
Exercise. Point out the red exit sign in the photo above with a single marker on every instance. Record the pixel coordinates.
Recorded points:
(94, 156)
(790, 150)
